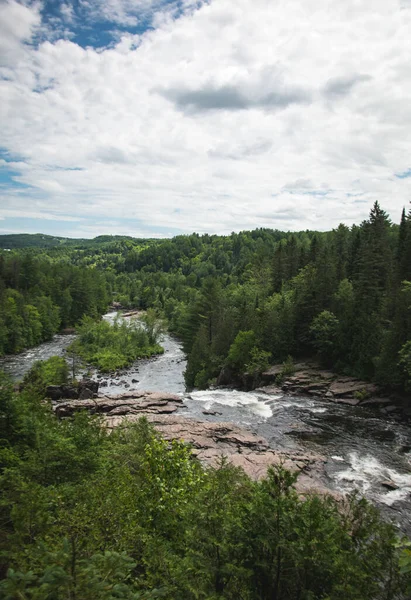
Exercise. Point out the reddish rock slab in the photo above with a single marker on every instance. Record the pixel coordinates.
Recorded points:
(211, 442)
(122, 404)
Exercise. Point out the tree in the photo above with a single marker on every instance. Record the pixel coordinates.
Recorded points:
(324, 331)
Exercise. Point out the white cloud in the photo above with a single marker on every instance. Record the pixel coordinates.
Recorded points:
(17, 26)
(240, 114)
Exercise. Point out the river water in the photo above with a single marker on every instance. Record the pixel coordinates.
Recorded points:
(363, 449)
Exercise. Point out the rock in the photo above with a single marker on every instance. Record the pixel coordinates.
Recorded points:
(329, 394)
(269, 389)
(316, 387)
(54, 392)
(390, 485)
(350, 401)
(123, 404)
(212, 413)
(211, 441)
(86, 394)
(132, 313)
(226, 377)
(345, 388)
(85, 389)
(104, 383)
(247, 382)
(68, 331)
(390, 409)
(271, 373)
(134, 381)
(90, 384)
(328, 375)
(375, 401)
(70, 391)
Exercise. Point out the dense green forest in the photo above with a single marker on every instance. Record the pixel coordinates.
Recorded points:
(39, 296)
(85, 515)
(238, 302)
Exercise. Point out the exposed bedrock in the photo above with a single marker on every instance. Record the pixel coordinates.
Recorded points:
(209, 441)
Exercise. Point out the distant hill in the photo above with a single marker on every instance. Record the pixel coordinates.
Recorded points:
(36, 240)
(40, 240)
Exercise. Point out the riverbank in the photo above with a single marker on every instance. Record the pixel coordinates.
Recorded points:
(209, 441)
(363, 447)
(310, 379)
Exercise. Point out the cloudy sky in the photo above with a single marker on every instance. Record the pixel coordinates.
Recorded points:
(155, 117)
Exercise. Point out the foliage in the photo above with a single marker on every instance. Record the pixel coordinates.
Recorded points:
(287, 370)
(324, 331)
(38, 297)
(342, 295)
(110, 347)
(53, 371)
(129, 515)
(405, 363)
(405, 562)
(240, 350)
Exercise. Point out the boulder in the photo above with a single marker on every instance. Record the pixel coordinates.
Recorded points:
(226, 377)
(58, 392)
(54, 392)
(90, 384)
(86, 394)
(70, 391)
(390, 485)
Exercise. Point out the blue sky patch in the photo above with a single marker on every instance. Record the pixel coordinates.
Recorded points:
(404, 175)
(91, 24)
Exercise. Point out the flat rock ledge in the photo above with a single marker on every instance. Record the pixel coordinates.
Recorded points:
(209, 441)
(132, 403)
(309, 379)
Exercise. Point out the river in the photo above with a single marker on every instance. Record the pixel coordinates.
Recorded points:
(364, 450)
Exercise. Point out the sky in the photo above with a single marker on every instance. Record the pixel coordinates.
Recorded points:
(156, 117)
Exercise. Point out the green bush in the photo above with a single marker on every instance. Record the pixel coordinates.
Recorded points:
(287, 370)
(53, 371)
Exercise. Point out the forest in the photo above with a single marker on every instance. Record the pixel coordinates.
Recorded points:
(85, 514)
(238, 302)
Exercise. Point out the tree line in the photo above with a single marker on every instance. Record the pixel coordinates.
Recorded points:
(38, 297)
(343, 296)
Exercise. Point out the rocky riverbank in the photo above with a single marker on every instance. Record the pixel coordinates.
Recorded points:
(210, 441)
(309, 379)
